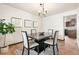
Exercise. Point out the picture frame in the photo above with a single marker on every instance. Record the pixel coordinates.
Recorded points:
(28, 23)
(16, 21)
(35, 24)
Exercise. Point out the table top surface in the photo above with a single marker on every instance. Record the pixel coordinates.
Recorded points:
(37, 36)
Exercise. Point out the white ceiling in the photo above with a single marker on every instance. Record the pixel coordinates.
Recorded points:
(52, 8)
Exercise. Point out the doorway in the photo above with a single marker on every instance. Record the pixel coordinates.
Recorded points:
(70, 29)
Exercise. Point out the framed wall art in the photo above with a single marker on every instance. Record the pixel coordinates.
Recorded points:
(28, 23)
(16, 21)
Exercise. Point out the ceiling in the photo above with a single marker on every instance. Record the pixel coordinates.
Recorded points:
(52, 8)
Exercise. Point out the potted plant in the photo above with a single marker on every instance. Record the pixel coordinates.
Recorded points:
(6, 28)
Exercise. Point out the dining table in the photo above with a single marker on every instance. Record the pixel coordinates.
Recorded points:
(40, 38)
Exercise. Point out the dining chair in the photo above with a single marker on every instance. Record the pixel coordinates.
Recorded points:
(52, 42)
(28, 45)
(50, 32)
(33, 31)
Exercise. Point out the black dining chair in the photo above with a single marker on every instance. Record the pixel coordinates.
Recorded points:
(50, 32)
(33, 31)
(52, 42)
(28, 45)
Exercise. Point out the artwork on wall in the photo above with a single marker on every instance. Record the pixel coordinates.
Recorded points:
(35, 24)
(16, 21)
(28, 23)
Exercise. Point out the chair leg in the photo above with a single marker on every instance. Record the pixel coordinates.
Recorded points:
(38, 49)
(28, 51)
(53, 50)
(57, 47)
(44, 47)
(23, 50)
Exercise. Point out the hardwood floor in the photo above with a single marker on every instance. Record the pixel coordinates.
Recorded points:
(67, 47)
(12, 49)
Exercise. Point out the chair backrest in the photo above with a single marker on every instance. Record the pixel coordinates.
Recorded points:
(25, 39)
(50, 31)
(55, 37)
(33, 31)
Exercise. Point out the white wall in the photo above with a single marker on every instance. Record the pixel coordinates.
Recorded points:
(56, 22)
(6, 12)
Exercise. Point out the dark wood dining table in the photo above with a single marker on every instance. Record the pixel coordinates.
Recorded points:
(40, 39)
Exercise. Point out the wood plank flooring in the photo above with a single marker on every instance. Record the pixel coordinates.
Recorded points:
(67, 47)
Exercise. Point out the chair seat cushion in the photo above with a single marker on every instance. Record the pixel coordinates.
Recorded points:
(30, 38)
(33, 44)
(49, 42)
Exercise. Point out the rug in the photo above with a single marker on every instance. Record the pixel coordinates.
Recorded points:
(48, 51)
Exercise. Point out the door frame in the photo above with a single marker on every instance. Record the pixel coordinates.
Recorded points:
(64, 26)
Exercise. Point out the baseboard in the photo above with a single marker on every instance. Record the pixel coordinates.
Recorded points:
(12, 44)
(15, 43)
(61, 39)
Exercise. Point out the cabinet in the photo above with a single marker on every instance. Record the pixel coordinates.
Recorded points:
(70, 26)
(12, 38)
(72, 33)
(71, 23)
